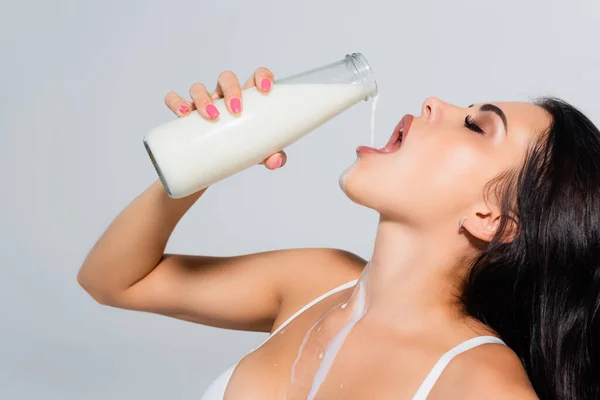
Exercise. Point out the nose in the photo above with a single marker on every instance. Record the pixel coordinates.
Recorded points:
(432, 109)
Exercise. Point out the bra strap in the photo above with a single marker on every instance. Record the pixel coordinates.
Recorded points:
(307, 306)
(438, 368)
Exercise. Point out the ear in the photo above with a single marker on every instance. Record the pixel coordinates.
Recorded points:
(483, 224)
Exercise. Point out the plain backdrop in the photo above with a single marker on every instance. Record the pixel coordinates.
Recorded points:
(81, 82)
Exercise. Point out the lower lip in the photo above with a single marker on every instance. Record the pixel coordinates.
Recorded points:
(391, 147)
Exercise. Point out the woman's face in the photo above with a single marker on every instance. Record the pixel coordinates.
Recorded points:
(439, 172)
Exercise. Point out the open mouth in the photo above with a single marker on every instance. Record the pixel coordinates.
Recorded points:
(396, 140)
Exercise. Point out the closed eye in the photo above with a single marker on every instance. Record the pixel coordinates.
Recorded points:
(472, 125)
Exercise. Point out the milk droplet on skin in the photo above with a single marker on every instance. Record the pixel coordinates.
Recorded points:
(344, 305)
(358, 311)
(320, 355)
(328, 356)
(344, 175)
(338, 340)
(301, 349)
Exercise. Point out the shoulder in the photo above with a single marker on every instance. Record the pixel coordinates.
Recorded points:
(490, 371)
(310, 272)
(316, 270)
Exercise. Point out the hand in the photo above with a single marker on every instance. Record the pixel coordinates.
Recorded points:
(228, 87)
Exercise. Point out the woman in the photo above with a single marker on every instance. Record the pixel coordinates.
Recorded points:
(487, 255)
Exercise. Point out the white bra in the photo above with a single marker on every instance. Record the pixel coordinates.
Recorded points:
(216, 390)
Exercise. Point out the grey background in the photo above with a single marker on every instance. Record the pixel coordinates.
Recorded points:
(82, 82)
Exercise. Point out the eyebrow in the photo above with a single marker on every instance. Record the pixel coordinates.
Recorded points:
(494, 109)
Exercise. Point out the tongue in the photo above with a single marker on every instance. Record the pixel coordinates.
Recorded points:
(392, 145)
(389, 148)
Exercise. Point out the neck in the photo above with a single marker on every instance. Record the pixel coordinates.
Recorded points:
(412, 279)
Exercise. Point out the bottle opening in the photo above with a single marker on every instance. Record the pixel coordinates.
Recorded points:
(363, 73)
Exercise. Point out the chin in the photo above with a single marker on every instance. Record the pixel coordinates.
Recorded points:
(345, 174)
(354, 182)
(366, 183)
(367, 180)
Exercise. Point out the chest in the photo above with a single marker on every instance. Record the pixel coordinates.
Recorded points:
(317, 357)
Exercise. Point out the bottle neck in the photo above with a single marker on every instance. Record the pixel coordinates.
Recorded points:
(353, 69)
(363, 74)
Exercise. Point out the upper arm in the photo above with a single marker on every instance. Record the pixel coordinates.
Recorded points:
(240, 292)
(495, 385)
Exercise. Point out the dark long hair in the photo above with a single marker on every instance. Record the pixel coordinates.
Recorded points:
(541, 291)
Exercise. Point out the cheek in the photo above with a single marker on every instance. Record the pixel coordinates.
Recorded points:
(455, 173)
(451, 167)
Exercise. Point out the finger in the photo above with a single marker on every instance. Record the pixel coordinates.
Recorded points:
(203, 101)
(262, 78)
(275, 161)
(232, 92)
(178, 105)
(217, 94)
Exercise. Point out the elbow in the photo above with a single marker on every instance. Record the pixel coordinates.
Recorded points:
(84, 282)
(100, 296)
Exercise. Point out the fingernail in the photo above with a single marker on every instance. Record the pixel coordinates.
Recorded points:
(265, 85)
(212, 111)
(235, 104)
(183, 109)
(279, 162)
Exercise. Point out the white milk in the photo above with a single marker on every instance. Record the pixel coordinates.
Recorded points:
(359, 308)
(348, 170)
(192, 153)
(330, 347)
(337, 342)
(373, 108)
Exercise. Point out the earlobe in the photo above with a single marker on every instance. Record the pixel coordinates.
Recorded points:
(461, 229)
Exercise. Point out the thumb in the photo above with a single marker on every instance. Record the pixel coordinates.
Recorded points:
(275, 161)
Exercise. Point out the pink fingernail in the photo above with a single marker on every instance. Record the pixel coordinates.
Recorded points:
(279, 162)
(265, 85)
(235, 104)
(212, 111)
(183, 109)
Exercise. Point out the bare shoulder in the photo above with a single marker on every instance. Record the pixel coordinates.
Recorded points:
(310, 272)
(490, 371)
